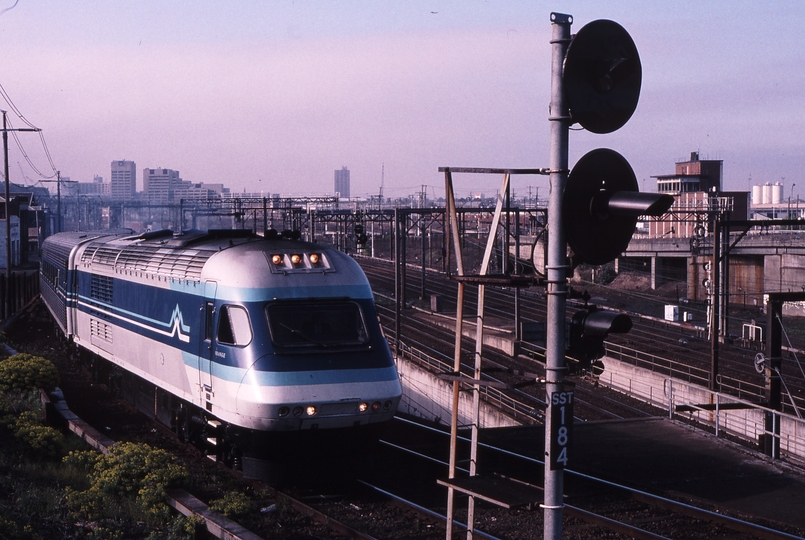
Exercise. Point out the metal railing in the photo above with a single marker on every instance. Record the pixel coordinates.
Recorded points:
(728, 416)
(658, 364)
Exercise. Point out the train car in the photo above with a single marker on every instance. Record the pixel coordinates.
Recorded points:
(267, 348)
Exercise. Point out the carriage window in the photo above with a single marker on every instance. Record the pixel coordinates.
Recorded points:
(233, 326)
(314, 324)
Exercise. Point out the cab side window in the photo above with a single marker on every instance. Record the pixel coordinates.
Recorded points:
(234, 327)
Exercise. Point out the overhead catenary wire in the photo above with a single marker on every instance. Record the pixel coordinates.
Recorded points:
(13, 107)
(27, 157)
(782, 326)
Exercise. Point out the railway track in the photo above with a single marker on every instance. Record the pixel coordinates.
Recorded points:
(437, 342)
(683, 347)
(595, 507)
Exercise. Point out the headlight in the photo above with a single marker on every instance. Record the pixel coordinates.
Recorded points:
(310, 410)
(363, 407)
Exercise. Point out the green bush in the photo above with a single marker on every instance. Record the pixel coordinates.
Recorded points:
(233, 504)
(26, 372)
(44, 442)
(35, 440)
(17, 401)
(605, 275)
(133, 475)
(181, 528)
(83, 460)
(9, 529)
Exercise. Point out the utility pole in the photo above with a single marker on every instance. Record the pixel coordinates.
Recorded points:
(58, 201)
(7, 299)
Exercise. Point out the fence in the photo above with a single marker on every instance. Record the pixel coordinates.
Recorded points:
(732, 417)
(723, 414)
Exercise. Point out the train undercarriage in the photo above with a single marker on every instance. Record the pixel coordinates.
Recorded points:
(277, 458)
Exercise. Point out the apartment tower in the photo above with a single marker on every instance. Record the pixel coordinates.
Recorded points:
(124, 180)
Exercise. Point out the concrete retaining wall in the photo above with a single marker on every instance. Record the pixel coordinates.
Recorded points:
(427, 396)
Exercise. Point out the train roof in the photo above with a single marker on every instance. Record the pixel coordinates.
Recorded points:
(185, 256)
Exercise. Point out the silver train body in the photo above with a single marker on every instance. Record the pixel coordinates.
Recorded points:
(268, 348)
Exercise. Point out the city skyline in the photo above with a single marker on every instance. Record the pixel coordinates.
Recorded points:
(263, 97)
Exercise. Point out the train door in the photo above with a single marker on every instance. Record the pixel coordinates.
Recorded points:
(68, 278)
(206, 351)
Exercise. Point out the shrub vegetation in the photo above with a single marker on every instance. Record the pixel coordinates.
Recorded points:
(48, 491)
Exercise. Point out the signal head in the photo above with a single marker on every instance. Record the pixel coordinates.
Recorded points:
(602, 76)
(601, 204)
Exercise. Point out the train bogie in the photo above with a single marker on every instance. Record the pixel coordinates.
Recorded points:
(243, 341)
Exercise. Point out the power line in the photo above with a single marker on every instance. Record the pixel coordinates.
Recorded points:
(14, 107)
(32, 127)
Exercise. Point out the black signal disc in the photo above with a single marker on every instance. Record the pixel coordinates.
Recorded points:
(597, 239)
(602, 76)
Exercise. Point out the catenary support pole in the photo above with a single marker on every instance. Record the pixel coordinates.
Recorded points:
(7, 292)
(557, 266)
(453, 233)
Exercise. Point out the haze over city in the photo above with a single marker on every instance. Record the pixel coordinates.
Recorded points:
(275, 96)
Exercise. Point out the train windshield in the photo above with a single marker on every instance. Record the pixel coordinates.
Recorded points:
(316, 324)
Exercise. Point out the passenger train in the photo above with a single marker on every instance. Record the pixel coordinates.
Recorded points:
(268, 348)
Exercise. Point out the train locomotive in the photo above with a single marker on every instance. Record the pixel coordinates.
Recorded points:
(267, 350)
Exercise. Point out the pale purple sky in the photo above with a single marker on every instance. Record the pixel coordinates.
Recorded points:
(275, 96)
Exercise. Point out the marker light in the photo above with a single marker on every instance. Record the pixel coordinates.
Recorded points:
(296, 258)
(375, 406)
(284, 411)
(310, 410)
(297, 410)
(314, 258)
(276, 259)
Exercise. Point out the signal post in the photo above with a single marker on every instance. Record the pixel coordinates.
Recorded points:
(556, 273)
(595, 82)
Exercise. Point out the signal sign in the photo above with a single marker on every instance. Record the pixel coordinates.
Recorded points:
(561, 428)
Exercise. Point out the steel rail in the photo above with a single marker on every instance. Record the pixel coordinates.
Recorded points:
(497, 396)
(736, 524)
(427, 513)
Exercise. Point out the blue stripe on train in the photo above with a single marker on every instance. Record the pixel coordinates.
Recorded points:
(295, 378)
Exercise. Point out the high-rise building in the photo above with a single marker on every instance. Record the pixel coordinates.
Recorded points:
(124, 179)
(160, 184)
(342, 183)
